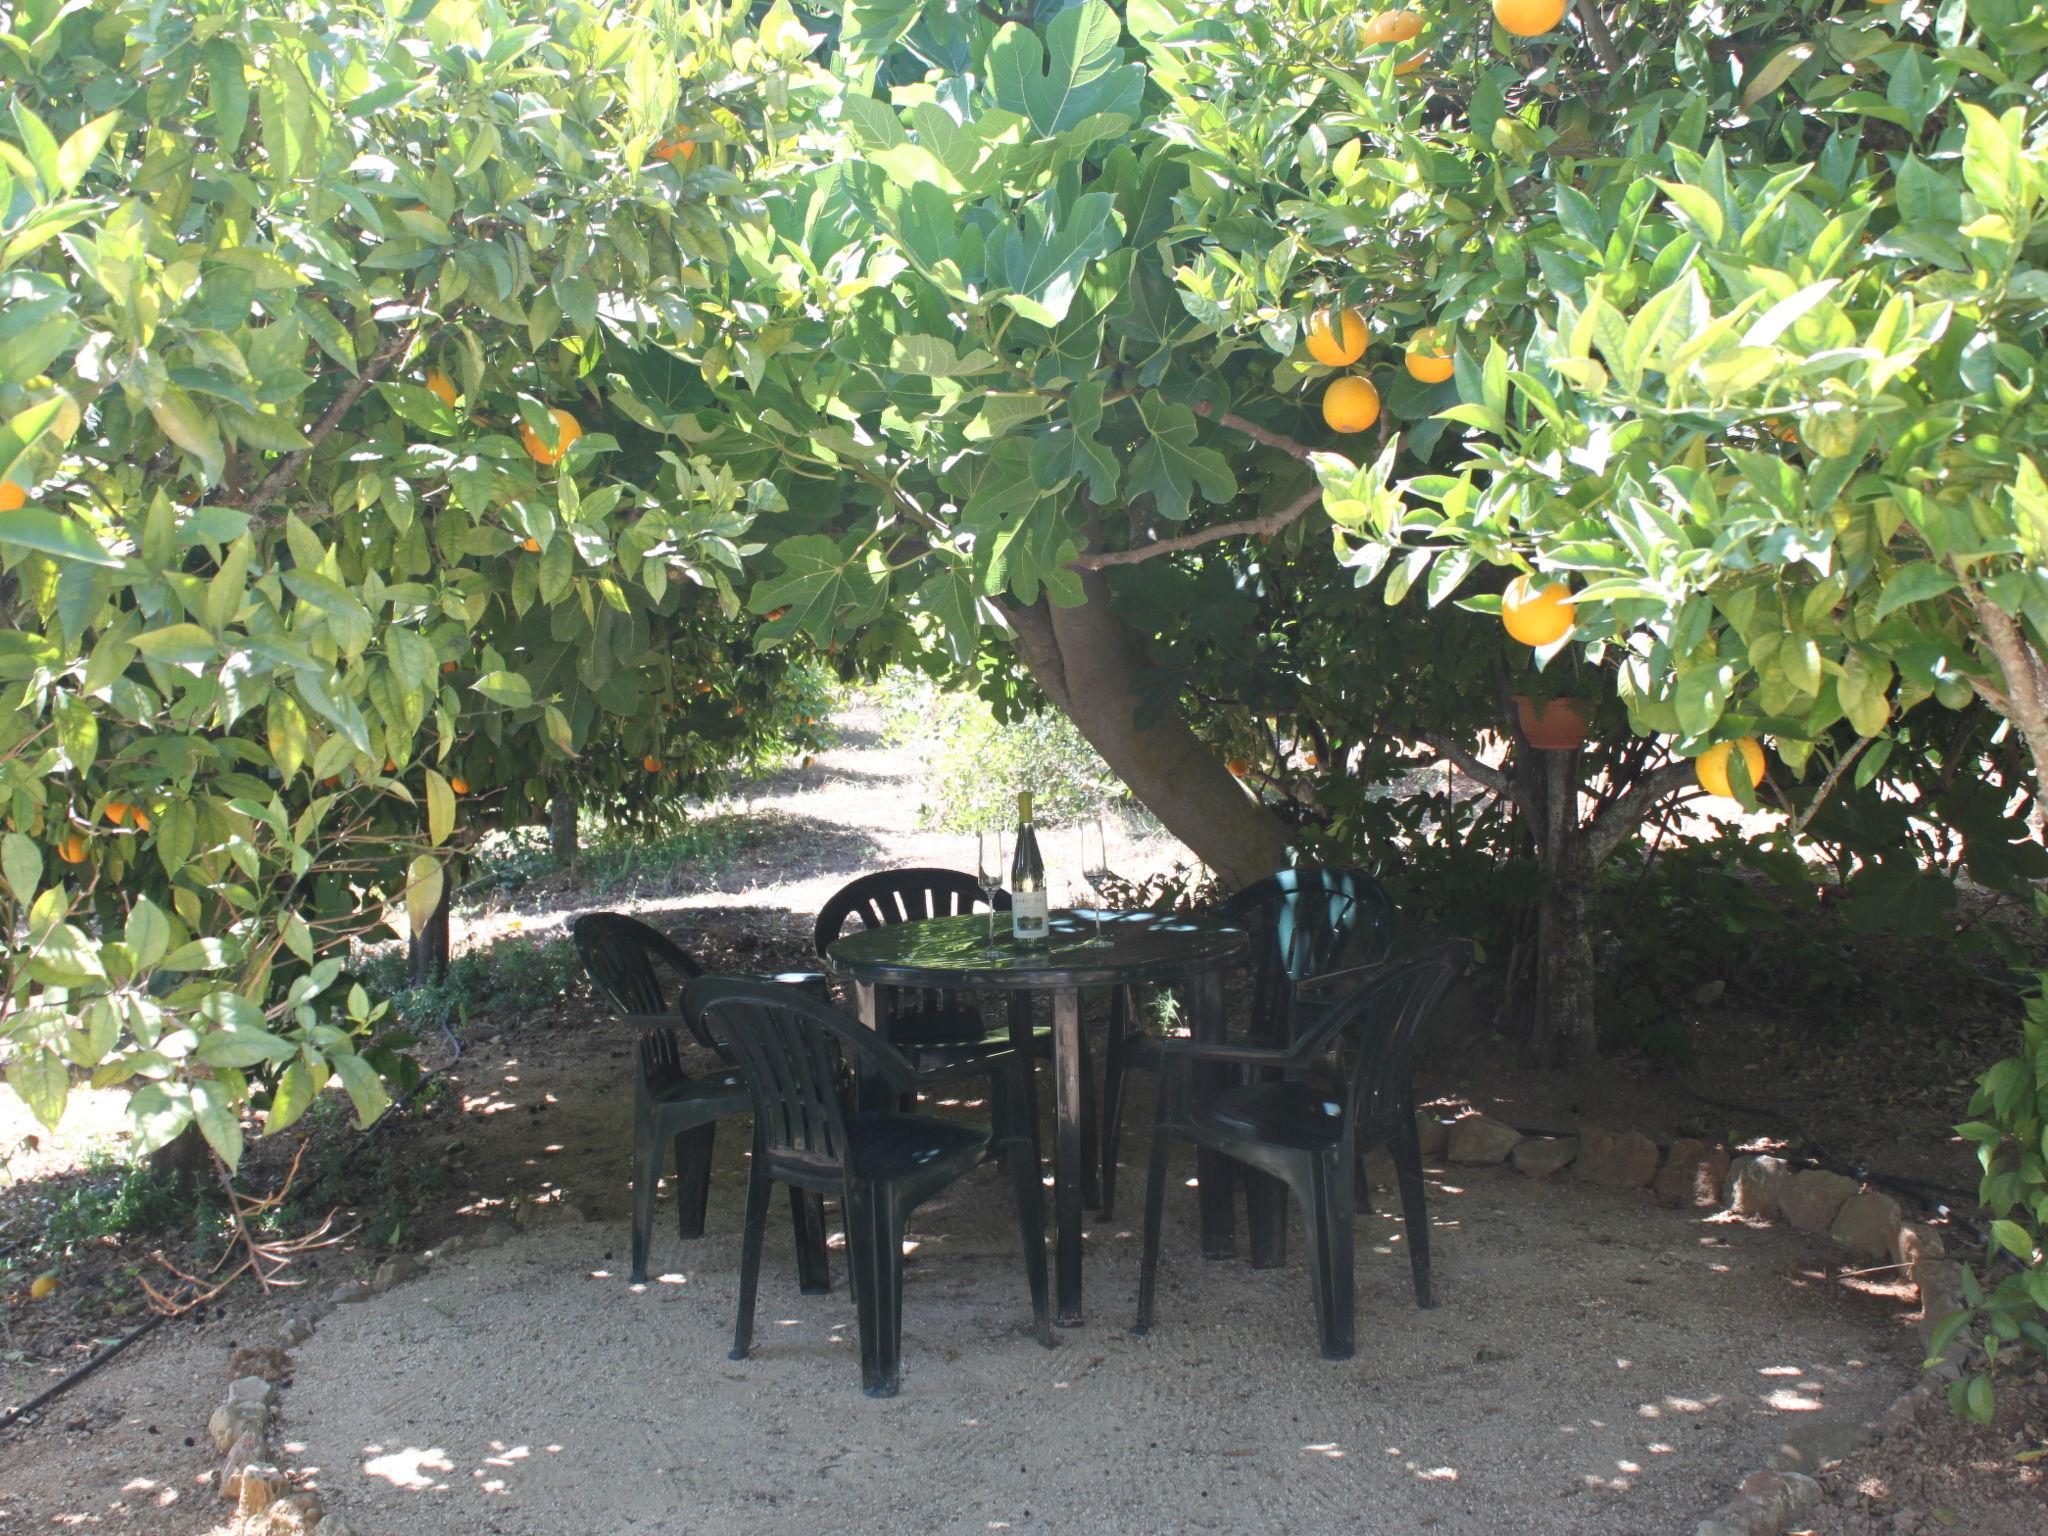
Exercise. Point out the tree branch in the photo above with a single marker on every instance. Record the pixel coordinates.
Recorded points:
(1827, 785)
(1598, 35)
(1032, 625)
(272, 485)
(1608, 830)
(1492, 778)
(1266, 523)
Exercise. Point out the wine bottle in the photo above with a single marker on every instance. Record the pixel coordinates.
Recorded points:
(1027, 881)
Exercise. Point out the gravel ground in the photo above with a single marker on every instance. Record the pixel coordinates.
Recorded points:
(1597, 1364)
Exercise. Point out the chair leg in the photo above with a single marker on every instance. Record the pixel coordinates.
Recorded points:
(1363, 1184)
(1407, 1150)
(1327, 1202)
(693, 1178)
(1155, 1207)
(1113, 1094)
(1030, 1195)
(874, 1250)
(646, 1174)
(813, 1265)
(1091, 1129)
(752, 1231)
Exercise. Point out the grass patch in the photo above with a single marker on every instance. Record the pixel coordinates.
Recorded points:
(512, 975)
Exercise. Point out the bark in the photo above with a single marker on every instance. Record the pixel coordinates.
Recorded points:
(1566, 1024)
(428, 950)
(562, 822)
(182, 1160)
(1089, 665)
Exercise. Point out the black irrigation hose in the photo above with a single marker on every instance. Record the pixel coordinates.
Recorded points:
(58, 1388)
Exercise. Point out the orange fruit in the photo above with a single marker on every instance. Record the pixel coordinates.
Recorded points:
(1336, 337)
(651, 763)
(390, 766)
(459, 784)
(530, 545)
(1239, 768)
(1529, 18)
(1409, 66)
(1311, 759)
(739, 709)
(438, 383)
(1351, 404)
(567, 430)
(1391, 27)
(42, 1286)
(139, 817)
(11, 496)
(1711, 766)
(117, 811)
(703, 687)
(447, 666)
(1427, 359)
(1537, 618)
(808, 761)
(674, 149)
(71, 848)
(776, 613)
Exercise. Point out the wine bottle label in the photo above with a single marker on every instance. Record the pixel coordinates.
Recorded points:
(1027, 914)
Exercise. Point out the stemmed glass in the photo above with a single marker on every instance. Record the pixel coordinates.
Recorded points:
(990, 886)
(1095, 870)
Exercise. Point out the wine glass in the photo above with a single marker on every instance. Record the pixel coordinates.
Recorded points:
(990, 886)
(1096, 871)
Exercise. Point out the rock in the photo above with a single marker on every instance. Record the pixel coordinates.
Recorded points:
(349, 1291)
(1867, 1224)
(1617, 1159)
(1915, 1241)
(450, 1247)
(247, 1451)
(549, 1213)
(1542, 1156)
(492, 1234)
(265, 1360)
(294, 1515)
(251, 1389)
(1479, 1140)
(234, 1419)
(1940, 1284)
(394, 1270)
(295, 1329)
(262, 1485)
(1433, 1133)
(1814, 1198)
(1776, 1499)
(1757, 1184)
(1693, 1175)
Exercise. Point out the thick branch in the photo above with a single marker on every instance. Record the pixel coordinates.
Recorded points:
(1492, 778)
(1827, 785)
(1294, 448)
(272, 485)
(1032, 625)
(1598, 35)
(1611, 828)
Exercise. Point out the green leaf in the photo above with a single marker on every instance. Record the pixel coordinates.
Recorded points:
(292, 1097)
(440, 808)
(2015, 1239)
(218, 1122)
(176, 644)
(556, 724)
(365, 1088)
(1914, 583)
(506, 688)
(242, 1048)
(423, 884)
(1041, 257)
(54, 533)
(148, 933)
(1170, 467)
(825, 589)
(22, 864)
(1077, 72)
(42, 1082)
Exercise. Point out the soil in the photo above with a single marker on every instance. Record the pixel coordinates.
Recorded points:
(1508, 1396)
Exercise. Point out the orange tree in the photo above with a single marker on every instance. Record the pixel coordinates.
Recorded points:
(327, 510)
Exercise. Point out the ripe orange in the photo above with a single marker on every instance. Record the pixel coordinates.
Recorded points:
(1529, 18)
(1311, 759)
(568, 429)
(808, 761)
(1427, 359)
(139, 818)
(447, 666)
(776, 613)
(42, 1286)
(11, 496)
(1391, 27)
(438, 383)
(117, 811)
(1537, 617)
(71, 848)
(1409, 66)
(1351, 404)
(530, 545)
(459, 784)
(390, 766)
(674, 149)
(1711, 766)
(651, 763)
(1239, 768)
(1336, 337)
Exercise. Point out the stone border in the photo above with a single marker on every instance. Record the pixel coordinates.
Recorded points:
(265, 1499)
(1700, 1175)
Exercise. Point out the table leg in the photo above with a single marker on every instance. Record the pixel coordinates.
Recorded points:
(869, 1091)
(1213, 1171)
(1069, 1179)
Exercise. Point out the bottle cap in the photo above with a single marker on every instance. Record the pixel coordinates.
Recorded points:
(1024, 806)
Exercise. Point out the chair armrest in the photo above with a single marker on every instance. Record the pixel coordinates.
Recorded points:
(1349, 976)
(1170, 1046)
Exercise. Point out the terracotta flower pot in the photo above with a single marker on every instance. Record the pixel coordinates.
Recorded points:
(1555, 725)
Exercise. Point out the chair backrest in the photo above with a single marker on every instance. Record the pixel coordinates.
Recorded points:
(900, 896)
(792, 1050)
(619, 954)
(1304, 922)
(1376, 1025)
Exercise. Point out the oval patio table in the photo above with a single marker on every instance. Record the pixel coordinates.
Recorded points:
(1142, 948)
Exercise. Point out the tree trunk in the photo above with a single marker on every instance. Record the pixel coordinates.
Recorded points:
(562, 822)
(1089, 665)
(1565, 1028)
(428, 949)
(182, 1160)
